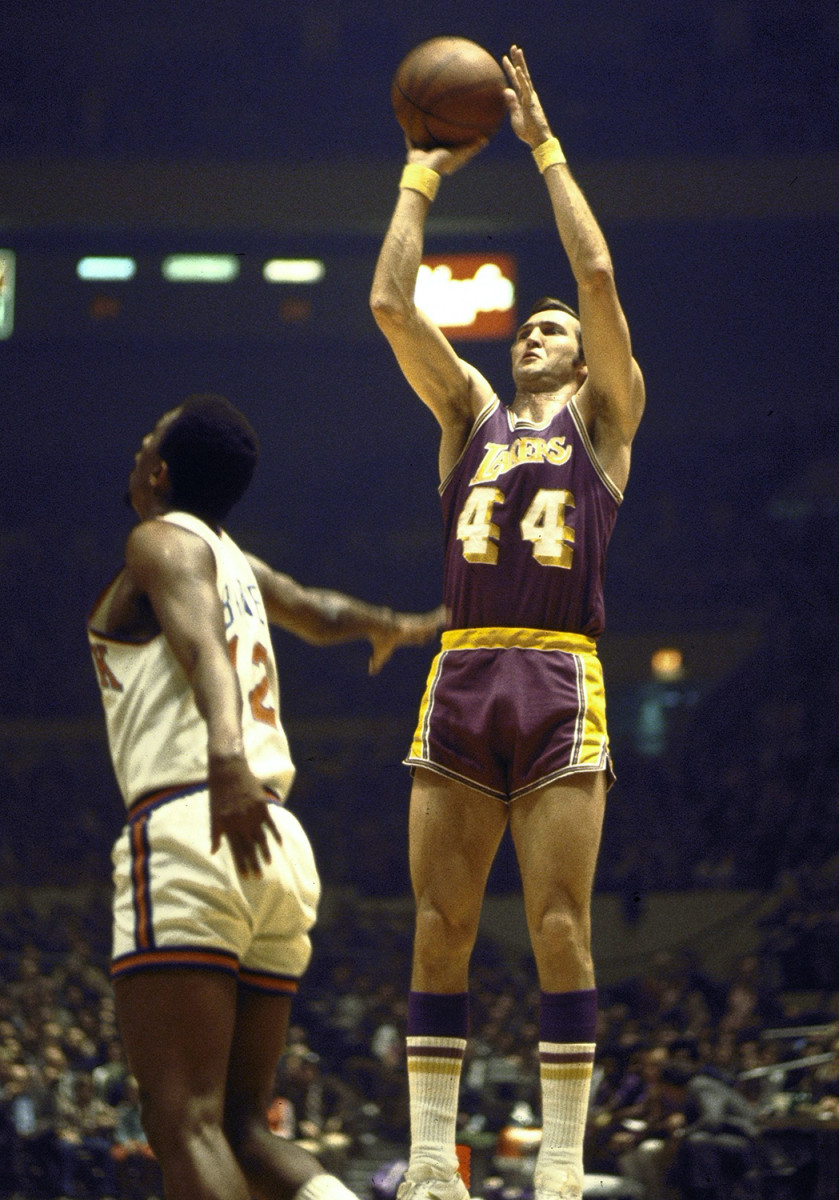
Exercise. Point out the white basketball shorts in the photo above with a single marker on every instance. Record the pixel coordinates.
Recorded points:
(178, 905)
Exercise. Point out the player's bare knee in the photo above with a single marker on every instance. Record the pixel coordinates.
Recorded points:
(442, 935)
(560, 929)
(174, 1127)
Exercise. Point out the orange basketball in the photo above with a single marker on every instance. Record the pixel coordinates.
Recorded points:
(448, 91)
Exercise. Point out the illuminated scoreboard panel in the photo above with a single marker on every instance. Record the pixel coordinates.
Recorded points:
(470, 296)
(50, 293)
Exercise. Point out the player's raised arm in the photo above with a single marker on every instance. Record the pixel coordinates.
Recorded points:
(453, 390)
(324, 617)
(613, 394)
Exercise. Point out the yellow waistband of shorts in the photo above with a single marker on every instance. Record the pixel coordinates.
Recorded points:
(503, 637)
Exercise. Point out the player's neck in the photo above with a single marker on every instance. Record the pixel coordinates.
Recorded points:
(540, 407)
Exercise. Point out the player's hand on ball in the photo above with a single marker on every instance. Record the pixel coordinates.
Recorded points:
(445, 159)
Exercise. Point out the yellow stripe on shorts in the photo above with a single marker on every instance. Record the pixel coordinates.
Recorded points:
(503, 637)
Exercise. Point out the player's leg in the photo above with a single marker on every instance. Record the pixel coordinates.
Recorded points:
(454, 834)
(276, 1169)
(177, 1027)
(556, 831)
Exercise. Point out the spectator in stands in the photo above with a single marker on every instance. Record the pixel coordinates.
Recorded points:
(644, 1145)
(825, 1082)
(109, 1076)
(747, 1003)
(718, 1144)
(85, 1130)
(323, 1107)
(32, 1112)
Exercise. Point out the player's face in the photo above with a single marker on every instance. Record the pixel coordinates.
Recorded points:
(147, 463)
(546, 351)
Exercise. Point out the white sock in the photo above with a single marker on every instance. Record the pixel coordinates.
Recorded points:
(434, 1065)
(565, 1071)
(324, 1187)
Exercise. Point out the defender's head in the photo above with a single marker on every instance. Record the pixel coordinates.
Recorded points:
(200, 458)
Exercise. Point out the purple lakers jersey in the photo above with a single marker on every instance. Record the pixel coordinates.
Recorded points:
(528, 512)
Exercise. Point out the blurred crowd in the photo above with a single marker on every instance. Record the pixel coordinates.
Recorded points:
(698, 1086)
(69, 1108)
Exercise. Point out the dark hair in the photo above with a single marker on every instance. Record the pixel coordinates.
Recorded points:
(545, 302)
(211, 451)
(548, 302)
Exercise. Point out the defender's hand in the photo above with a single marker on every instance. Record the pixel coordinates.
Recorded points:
(409, 629)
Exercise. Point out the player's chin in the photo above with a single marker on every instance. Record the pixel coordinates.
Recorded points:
(528, 371)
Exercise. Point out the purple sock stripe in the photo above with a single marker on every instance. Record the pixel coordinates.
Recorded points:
(433, 1015)
(582, 1056)
(568, 1016)
(434, 1052)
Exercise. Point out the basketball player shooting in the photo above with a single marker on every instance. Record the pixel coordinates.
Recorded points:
(512, 726)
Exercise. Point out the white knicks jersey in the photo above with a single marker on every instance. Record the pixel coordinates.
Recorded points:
(157, 737)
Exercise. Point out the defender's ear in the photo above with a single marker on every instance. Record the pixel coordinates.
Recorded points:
(159, 478)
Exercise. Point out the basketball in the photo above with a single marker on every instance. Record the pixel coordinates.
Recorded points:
(448, 91)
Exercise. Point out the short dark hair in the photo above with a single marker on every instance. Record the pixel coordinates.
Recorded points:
(545, 302)
(211, 451)
(548, 302)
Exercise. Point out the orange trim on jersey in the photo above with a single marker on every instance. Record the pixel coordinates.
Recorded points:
(177, 957)
(151, 800)
(140, 882)
(180, 957)
(144, 804)
(265, 982)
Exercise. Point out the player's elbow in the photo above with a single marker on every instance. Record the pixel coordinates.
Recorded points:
(597, 278)
(390, 310)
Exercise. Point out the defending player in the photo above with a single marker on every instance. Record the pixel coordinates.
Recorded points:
(215, 885)
(512, 725)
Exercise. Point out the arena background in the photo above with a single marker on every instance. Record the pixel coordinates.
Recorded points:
(705, 137)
